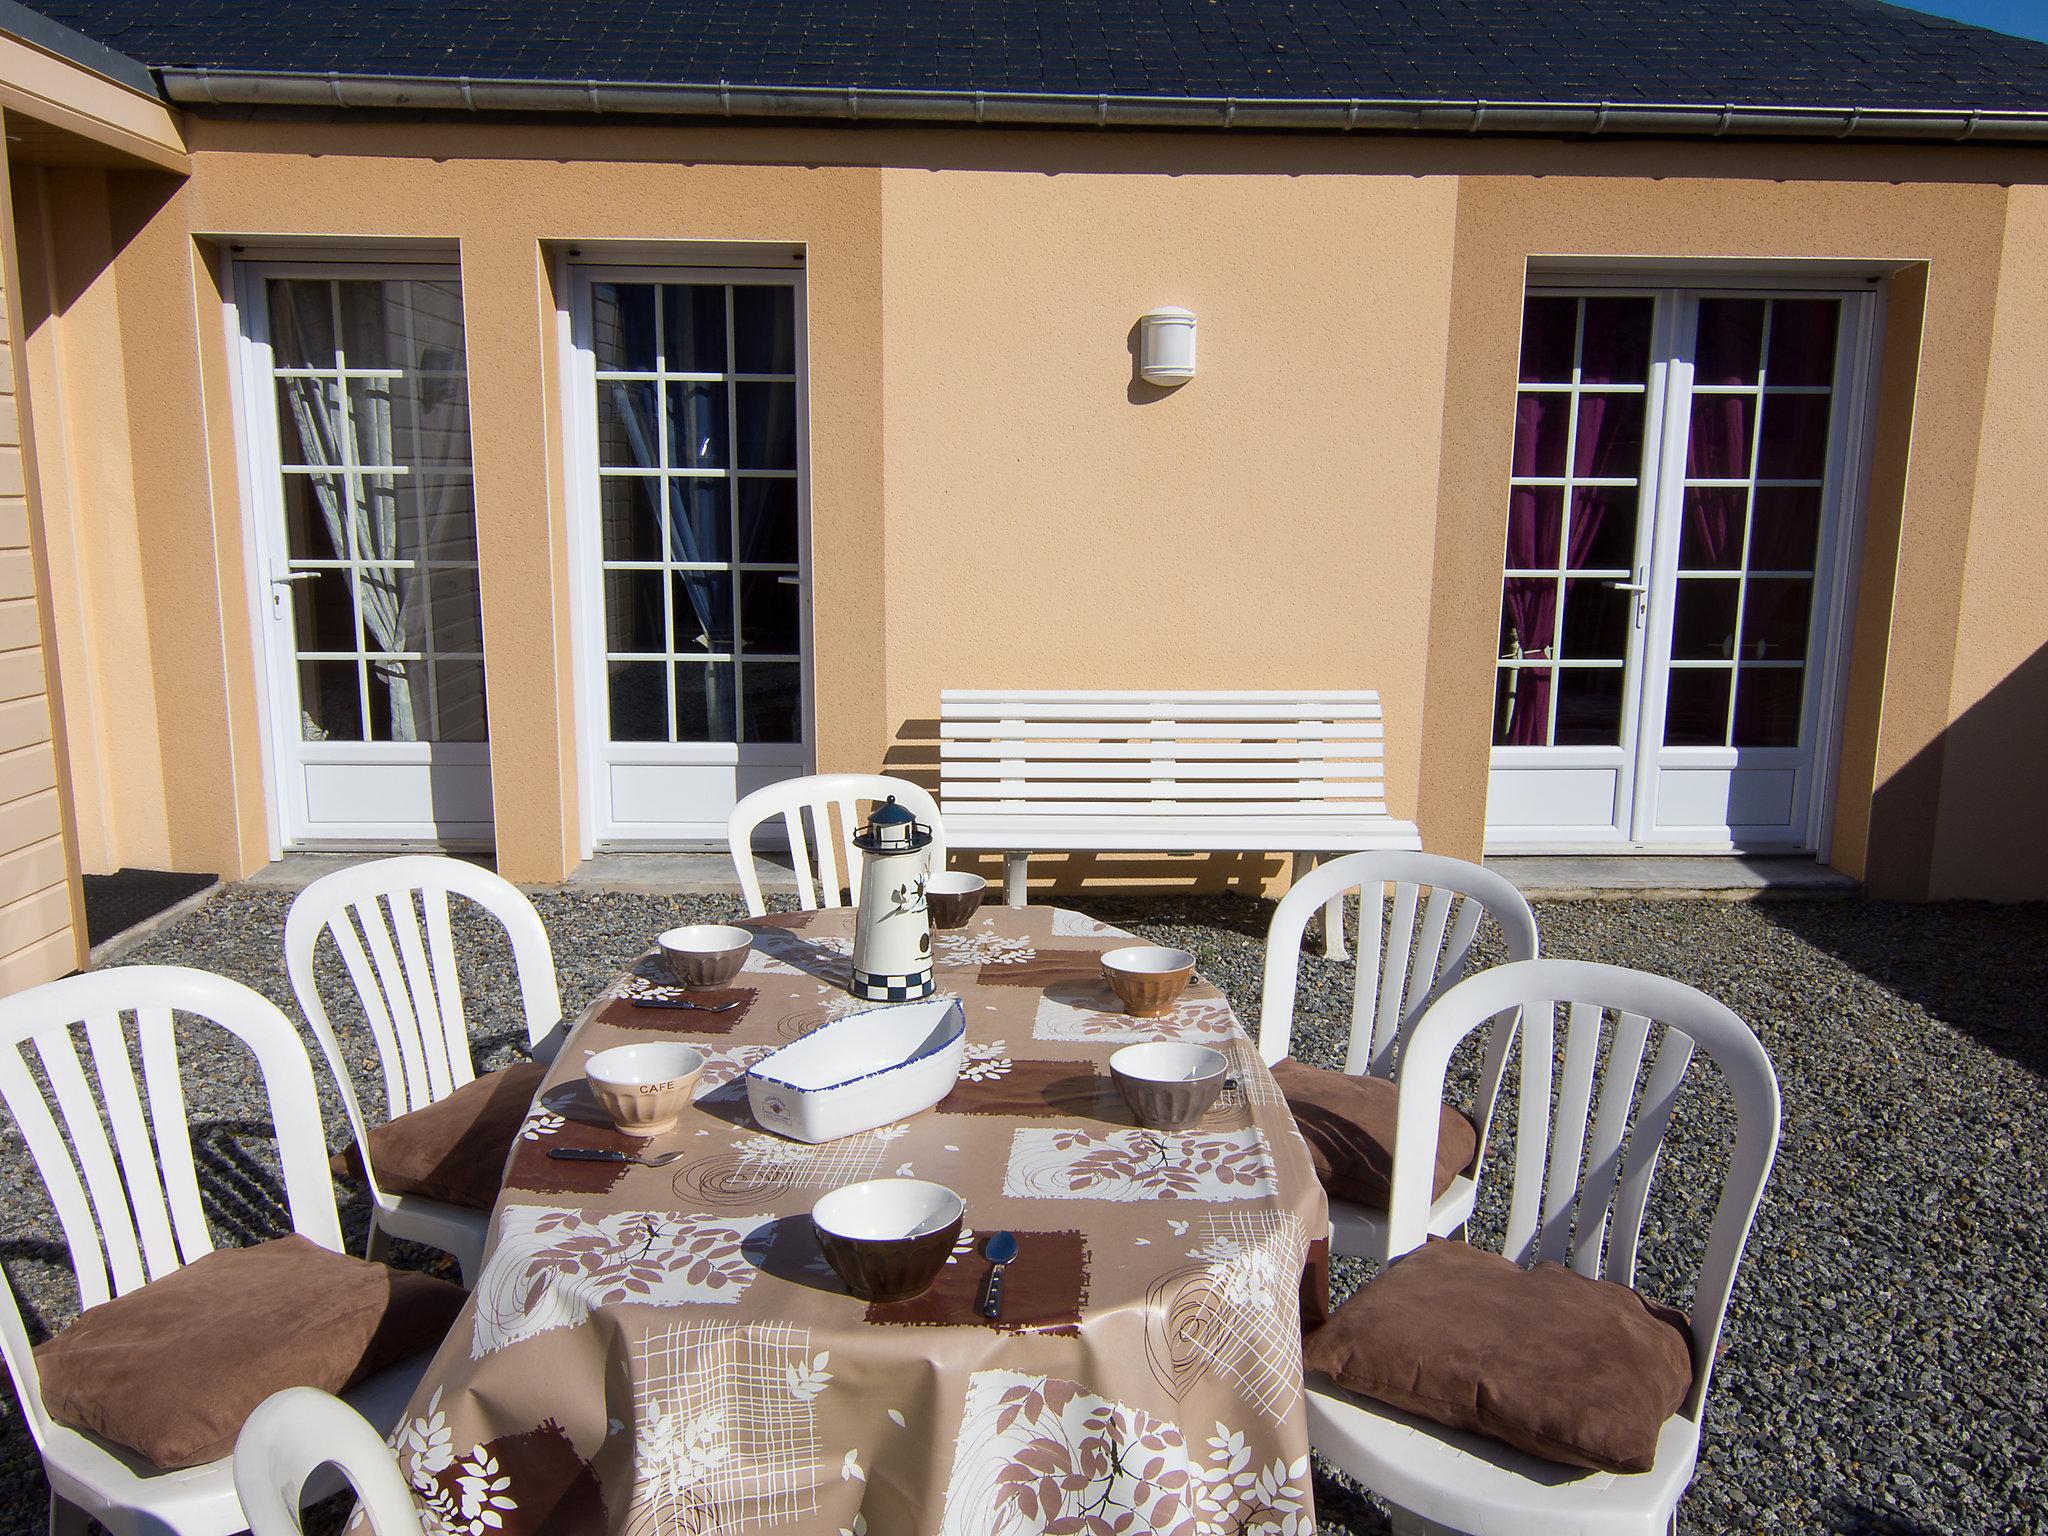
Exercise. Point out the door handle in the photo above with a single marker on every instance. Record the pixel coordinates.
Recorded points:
(291, 576)
(1627, 586)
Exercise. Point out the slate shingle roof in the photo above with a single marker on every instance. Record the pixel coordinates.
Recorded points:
(1751, 52)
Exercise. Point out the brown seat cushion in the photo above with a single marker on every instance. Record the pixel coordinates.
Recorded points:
(1564, 1367)
(1348, 1123)
(172, 1369)
(455, 1149)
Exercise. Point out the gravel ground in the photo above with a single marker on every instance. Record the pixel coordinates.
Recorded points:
(1888, 1344)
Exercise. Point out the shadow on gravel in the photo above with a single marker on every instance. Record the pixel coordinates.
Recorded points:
(1979, 968)
(1848, 1518)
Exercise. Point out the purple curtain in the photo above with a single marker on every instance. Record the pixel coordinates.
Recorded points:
(1609, 446)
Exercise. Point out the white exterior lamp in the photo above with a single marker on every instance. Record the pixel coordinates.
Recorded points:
(1166, 346)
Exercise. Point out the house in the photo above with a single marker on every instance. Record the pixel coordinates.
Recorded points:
(529, 427)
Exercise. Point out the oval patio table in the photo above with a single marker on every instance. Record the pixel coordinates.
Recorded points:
(665, 1350)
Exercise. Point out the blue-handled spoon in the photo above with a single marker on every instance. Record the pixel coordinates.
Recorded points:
(1001, 1249)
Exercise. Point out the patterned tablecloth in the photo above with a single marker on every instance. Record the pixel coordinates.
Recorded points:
(666, 1351)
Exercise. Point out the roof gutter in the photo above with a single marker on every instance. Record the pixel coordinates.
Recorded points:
(817, 104)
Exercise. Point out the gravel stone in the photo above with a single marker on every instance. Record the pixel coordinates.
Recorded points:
(1887, 1347)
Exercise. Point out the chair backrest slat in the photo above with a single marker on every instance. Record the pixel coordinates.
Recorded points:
(1363, 1052)
(115, 1069)
(1568, 1135)
(57, 1049)
(1604, 1182)
(818, 795)
(390, 923)
(447, 985)
(1639, 1166)
(1386, 1021)
(1610, 1131)
(52, 1154)
(165, 1084)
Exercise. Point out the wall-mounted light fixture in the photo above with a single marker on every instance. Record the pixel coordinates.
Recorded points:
(1166, 345)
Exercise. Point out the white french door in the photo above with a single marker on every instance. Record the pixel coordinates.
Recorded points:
(688, 412)
(355, 398)
(1673, 600)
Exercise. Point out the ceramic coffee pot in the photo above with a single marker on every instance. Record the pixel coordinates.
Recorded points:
(892, 935)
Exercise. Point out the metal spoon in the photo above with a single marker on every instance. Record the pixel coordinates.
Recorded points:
(1001, 1249)
(604, 1155)
(684, 1002)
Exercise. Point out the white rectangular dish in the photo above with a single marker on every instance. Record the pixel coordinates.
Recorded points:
(861, 1071)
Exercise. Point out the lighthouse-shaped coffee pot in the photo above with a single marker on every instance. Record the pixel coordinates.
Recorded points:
(892, 935)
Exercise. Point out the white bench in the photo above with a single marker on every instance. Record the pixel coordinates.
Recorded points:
(1179, 772)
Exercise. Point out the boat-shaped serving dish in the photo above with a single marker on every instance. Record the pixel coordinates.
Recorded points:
(861, 1071)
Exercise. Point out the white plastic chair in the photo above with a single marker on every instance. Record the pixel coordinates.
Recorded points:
(1402, 969)
(1577, 1200)
(130, 1205)
(303, 1430)
(819, 794)
(407, 985)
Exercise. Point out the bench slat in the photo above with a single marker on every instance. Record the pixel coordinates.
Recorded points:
(1249, 730)
(1155, 751)
(948, 696)
(1156, 709)
(1156, 772)
(1108, 810)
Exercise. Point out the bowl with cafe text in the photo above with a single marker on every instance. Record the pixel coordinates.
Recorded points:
(644, 1088)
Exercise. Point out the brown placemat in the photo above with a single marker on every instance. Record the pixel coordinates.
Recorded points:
(1051, 1088)
(1047, 968)
(1044, 1290)
(624, 1013)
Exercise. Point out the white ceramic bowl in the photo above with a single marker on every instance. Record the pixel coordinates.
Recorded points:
(888, 1238)
(861, 1071)
(644, 1087)
(704, 954)
(1148, 978)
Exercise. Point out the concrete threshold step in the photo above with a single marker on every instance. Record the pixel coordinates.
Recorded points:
(1724, 877)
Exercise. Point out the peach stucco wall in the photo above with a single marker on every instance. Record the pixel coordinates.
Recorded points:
(994, 501)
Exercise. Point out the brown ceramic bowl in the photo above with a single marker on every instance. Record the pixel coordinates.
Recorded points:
(953, 897)
(704, 954)
(1169, 1084)
(888, 1238)
(644, 1088)
(1149, 979)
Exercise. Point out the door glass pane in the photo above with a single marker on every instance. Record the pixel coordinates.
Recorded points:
(1549, 339)
(1718, 447)
(1767, 705)
(1610, 438)
(1589, 706)
(1521, 715)
(1774, 616)
(1703, 623)
(1803, 340)
(764, 330)
(1616, 347)
(1794, 445)
(1731, 341)
(1542, 431)
(1784, 529)
(1710, 537)
(622, 327)
(1596, 621)
(379, 512)
(1696, 707)
(718, 458)
(768, 520)
(693, 327)
(706, 693)
(1528, 614)
(1604, 528)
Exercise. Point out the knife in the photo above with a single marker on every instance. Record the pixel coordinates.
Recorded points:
(1001, 1250)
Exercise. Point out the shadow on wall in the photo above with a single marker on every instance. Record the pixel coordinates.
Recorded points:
(915, 756)
(1965, 816)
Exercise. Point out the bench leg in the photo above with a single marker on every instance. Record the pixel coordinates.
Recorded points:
(1016, 873)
